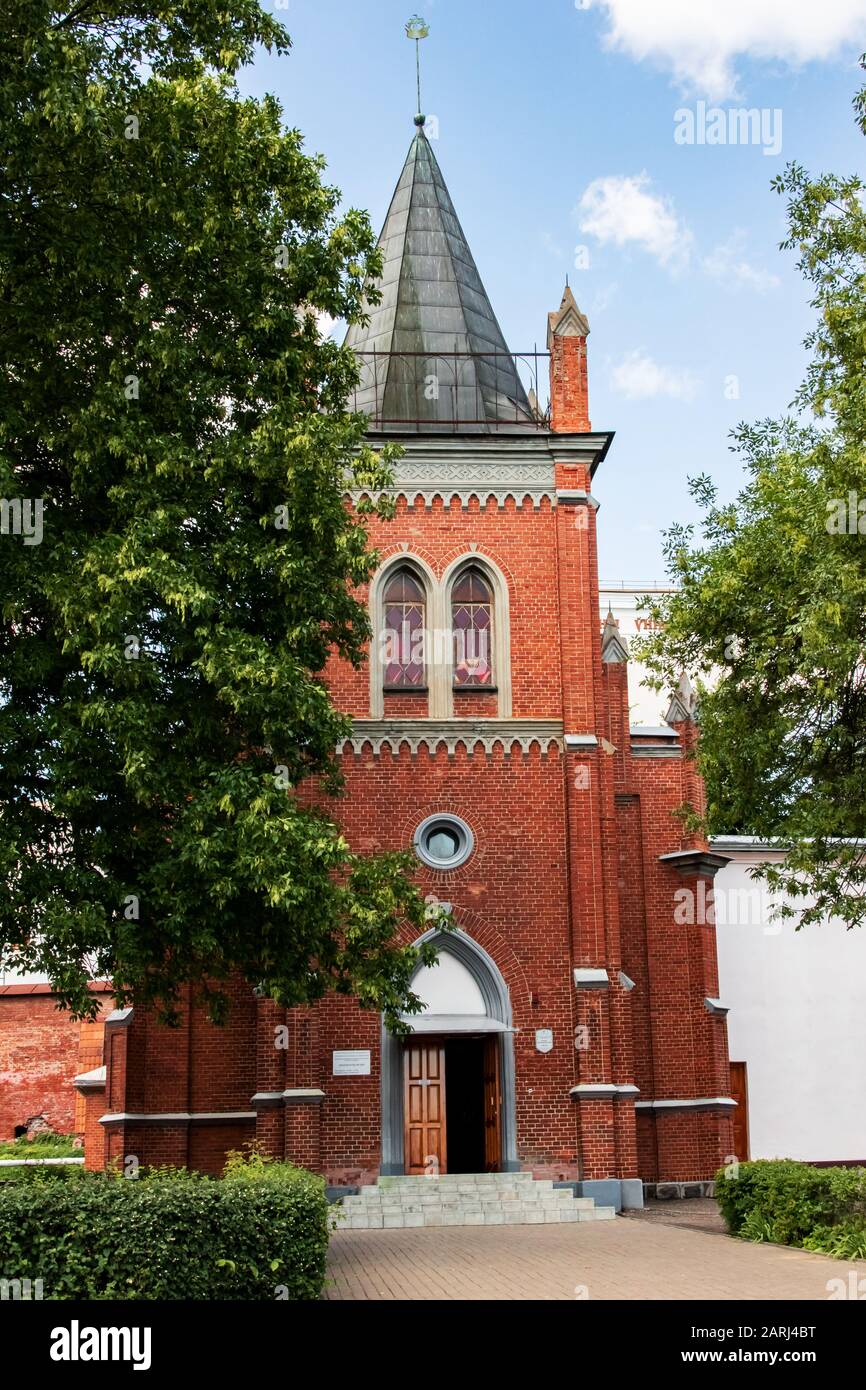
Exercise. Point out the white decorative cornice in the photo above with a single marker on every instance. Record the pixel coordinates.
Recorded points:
(467, 478)
(589, 1090)
(498, 465)
(700, 1103)
(90, 1080)
(588, 977)
(449, 733)
(656, 750)
(576, 497)
(695, 863)
(177, 1117)
(716, 1007)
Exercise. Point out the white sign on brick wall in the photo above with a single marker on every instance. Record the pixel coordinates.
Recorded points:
(356, 1063)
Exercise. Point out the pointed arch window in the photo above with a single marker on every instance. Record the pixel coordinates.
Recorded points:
(472, 626)
(405, 615)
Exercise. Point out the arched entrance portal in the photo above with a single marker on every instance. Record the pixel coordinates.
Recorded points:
(448, 1089)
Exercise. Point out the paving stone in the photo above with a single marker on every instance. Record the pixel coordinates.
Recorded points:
(613, 1259)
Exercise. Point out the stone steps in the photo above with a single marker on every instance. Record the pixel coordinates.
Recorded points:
(465, 1199)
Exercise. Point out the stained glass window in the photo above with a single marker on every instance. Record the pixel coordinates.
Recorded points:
(403, 638)
(472, 626)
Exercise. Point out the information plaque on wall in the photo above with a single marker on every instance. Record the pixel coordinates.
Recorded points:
(355, 1063)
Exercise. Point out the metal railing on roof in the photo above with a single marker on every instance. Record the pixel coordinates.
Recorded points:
(452, 390)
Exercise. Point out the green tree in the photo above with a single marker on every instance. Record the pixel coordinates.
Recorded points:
(177, 563)
(771, 607)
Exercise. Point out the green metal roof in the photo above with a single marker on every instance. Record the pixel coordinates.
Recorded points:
(433, 356)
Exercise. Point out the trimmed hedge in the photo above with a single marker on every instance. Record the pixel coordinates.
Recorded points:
(260, 1232)
(789, 1203)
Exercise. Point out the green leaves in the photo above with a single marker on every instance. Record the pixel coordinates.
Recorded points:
(164, 389)
(260, 1233)
(771, 609)
(790, 1203)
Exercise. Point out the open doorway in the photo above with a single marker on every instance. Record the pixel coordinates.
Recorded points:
(464, 1104)
(452, 1105)
(464, 997)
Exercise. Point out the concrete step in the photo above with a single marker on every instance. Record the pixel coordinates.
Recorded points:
(473, 1194)
(462, 1179)
(414, 1208)
(529, 1215)
(412, 1200)
(465, 1199)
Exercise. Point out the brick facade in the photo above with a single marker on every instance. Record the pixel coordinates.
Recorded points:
(41, 1050)
(571, 815)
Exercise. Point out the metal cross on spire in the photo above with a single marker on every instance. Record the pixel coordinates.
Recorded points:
(418, 29)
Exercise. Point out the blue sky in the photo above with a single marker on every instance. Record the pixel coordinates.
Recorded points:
(556, 126)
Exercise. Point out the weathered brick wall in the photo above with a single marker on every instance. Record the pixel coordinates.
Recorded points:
(41, 1050)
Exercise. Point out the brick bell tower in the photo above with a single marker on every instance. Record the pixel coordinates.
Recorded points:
(572, 1027)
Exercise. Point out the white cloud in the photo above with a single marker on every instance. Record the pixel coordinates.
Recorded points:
(699, 41)
(623, 210)
(639, 378)
(325, 323)
(726, 262)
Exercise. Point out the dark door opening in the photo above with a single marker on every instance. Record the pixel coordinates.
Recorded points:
(464, 1076)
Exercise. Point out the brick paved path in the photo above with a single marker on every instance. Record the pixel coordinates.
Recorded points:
(622, 1259)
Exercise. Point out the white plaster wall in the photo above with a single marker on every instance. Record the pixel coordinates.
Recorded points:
(448, 988)
(646, 706)
(798, 1020)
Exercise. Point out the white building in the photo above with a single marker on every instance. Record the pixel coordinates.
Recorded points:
(797, 1020)
(796, 1000)
(647, 706)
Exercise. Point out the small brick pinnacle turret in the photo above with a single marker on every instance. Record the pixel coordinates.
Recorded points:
(567, 332)
(683, 703)
(613, 644)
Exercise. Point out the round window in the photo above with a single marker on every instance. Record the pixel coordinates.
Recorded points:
(444, 842)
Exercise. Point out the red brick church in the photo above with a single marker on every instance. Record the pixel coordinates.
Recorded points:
(572, 1028)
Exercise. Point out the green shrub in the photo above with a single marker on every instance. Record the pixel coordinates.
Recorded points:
(45, 1146)
(39, 1172)
(789, 1203)
(262, 1234)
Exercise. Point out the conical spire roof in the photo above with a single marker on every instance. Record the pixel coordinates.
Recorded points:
(433, 355)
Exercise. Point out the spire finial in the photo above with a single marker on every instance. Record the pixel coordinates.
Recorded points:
(417, 29)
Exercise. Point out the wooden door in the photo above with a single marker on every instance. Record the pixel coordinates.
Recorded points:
(740, 1093)
(492, 1107)
(424, 1108)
